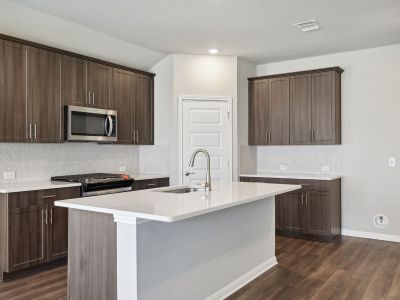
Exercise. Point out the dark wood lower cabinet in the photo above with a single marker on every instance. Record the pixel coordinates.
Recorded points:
(32, 230)
(313, 212)
(150, 183)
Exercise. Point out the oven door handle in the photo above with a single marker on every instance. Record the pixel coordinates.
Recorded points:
(111, 125)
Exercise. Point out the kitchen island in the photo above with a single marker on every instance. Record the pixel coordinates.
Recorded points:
(157, 244)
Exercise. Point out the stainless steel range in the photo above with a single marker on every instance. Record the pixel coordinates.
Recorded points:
(99, 183)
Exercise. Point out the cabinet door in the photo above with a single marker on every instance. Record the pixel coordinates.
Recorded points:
(323, 104)
(74, 89)
(150, 184)
(27, 236)
(122, 97)
(300, 110)
(13, 92)
(99, 85)
(143, 110)
(278, 116)
(318, 213)
(57, 245)
(44, 99)
(293, 214)
(258, 112)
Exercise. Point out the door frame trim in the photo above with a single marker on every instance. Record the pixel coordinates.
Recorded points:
(183, 98)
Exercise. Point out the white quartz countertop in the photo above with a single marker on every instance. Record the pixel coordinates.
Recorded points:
(16, 187)
(293, 175)
(169, 207)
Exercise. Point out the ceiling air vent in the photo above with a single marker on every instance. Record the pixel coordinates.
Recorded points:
(309, 25)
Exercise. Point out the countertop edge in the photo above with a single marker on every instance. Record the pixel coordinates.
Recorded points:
(36, 186)
(326, 177)
(169, 219)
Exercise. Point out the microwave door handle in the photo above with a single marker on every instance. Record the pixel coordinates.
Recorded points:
(111, 125)
(106, 126)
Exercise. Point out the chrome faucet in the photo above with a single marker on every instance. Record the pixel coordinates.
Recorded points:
(207, 184)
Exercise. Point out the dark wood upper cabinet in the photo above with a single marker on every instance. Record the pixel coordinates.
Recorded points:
(278, 111)
(37, 82)
(123, 89)
(258, 112)
(44, 96)
(143, 107)
(99, 85)
(74, 88)
(13, 92)
(301, 108)
(326, 108)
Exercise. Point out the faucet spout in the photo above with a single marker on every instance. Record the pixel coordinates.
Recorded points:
(207, 184)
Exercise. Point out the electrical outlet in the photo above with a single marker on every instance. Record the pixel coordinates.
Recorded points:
(392, 162)
(325, 168)
(122, 168)
(282, 168)
(9, 175)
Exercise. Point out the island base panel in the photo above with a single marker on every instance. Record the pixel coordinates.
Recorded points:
(204, 257)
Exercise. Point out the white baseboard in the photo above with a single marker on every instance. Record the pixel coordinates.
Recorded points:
(372, 235)
(243, 280)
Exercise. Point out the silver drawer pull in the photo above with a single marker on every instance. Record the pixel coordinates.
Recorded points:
(50, 196)
(151, 184)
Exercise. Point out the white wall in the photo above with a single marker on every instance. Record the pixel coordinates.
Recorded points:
(248, 154)
(26, 23)
(178, 75)
(370, 133)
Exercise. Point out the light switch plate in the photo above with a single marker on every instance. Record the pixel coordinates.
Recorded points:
(122, 168)
(9, 175)
(392, 162)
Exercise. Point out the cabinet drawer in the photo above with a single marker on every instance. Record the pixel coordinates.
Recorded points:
(150, 184)
(26, 199)
(310, 185)
(260, 179)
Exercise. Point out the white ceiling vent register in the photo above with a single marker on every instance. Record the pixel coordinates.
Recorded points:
(309, 25)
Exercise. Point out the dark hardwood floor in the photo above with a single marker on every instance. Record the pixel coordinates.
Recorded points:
(350, 268)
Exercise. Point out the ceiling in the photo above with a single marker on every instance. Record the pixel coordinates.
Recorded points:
(257, 30)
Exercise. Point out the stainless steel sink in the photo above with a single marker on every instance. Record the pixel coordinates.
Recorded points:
(179, 190)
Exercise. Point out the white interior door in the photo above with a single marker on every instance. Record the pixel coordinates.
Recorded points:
(206, 125)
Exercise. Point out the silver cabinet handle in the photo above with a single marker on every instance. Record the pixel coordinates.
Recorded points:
(134, 136)
(89, 98)
(35, 130)
(30, 130)
(93, 97)
(151, 184)
(302, 199)
(51, 215)
(49, 196)
(46, 213)
(137, 136)
(306, 199)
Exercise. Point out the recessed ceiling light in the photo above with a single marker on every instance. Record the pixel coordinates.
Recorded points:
(213, 51)
(309, 25)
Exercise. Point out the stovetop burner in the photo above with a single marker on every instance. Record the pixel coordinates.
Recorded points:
(92, 178)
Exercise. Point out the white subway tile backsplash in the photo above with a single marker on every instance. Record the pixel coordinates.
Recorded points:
(41, 161)
(301, 159)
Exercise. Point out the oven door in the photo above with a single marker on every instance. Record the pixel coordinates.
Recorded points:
(87, 124)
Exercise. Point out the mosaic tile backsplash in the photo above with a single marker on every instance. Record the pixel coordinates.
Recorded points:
(41, 161)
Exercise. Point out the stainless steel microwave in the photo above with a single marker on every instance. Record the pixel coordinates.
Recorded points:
(86, 124)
